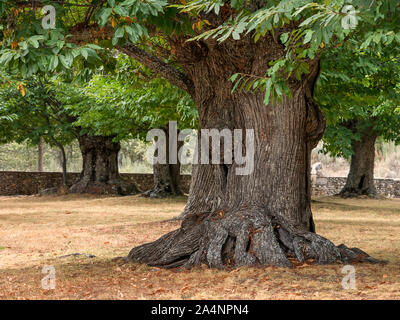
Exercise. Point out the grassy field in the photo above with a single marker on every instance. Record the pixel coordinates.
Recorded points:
(38, 231)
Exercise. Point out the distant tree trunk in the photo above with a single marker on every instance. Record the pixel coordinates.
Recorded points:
(40, 155)
(360, 180)
(166, 177)
(64, 165)
(63, 160)
(100, 173)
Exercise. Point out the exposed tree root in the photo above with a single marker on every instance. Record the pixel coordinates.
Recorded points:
(247, 238)
(118, 187)
(354, 193)
(162, 192)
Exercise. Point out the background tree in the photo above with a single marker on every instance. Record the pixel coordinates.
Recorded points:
(130, 102)
(121, 101)
(44, 109)
(359, 94)
(260, 218)
(36, 116)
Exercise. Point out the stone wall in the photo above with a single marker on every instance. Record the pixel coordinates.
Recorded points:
(27, 183)
(332, 185)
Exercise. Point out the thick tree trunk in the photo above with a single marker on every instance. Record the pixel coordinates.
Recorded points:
(360, 180)
(100, 168)
(263, 218)
(166, 176)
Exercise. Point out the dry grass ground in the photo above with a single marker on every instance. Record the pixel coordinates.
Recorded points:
(36, 231)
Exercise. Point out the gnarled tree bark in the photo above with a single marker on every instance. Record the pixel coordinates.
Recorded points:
(360, 180)
(100, 173)
(263, 218)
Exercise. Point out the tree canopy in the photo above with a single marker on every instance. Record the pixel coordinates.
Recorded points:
(35, 113)
(123, 103)
(306, 28)
(359, 89)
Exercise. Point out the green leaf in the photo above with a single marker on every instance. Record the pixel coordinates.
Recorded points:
(94, 46)
(33, 42)
(53, 62)
(103, 15)
(284, 37)
(66, 60)
(268, 85)
(308, 36)
(233, 78)
(119, 33)
(84, 53)
(122, 11)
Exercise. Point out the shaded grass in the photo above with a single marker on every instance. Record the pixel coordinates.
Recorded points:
(35, 231)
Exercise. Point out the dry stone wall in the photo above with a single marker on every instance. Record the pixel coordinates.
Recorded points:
(28, 183)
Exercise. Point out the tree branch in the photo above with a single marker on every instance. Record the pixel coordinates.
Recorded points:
(176, 77)
(84, 33)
